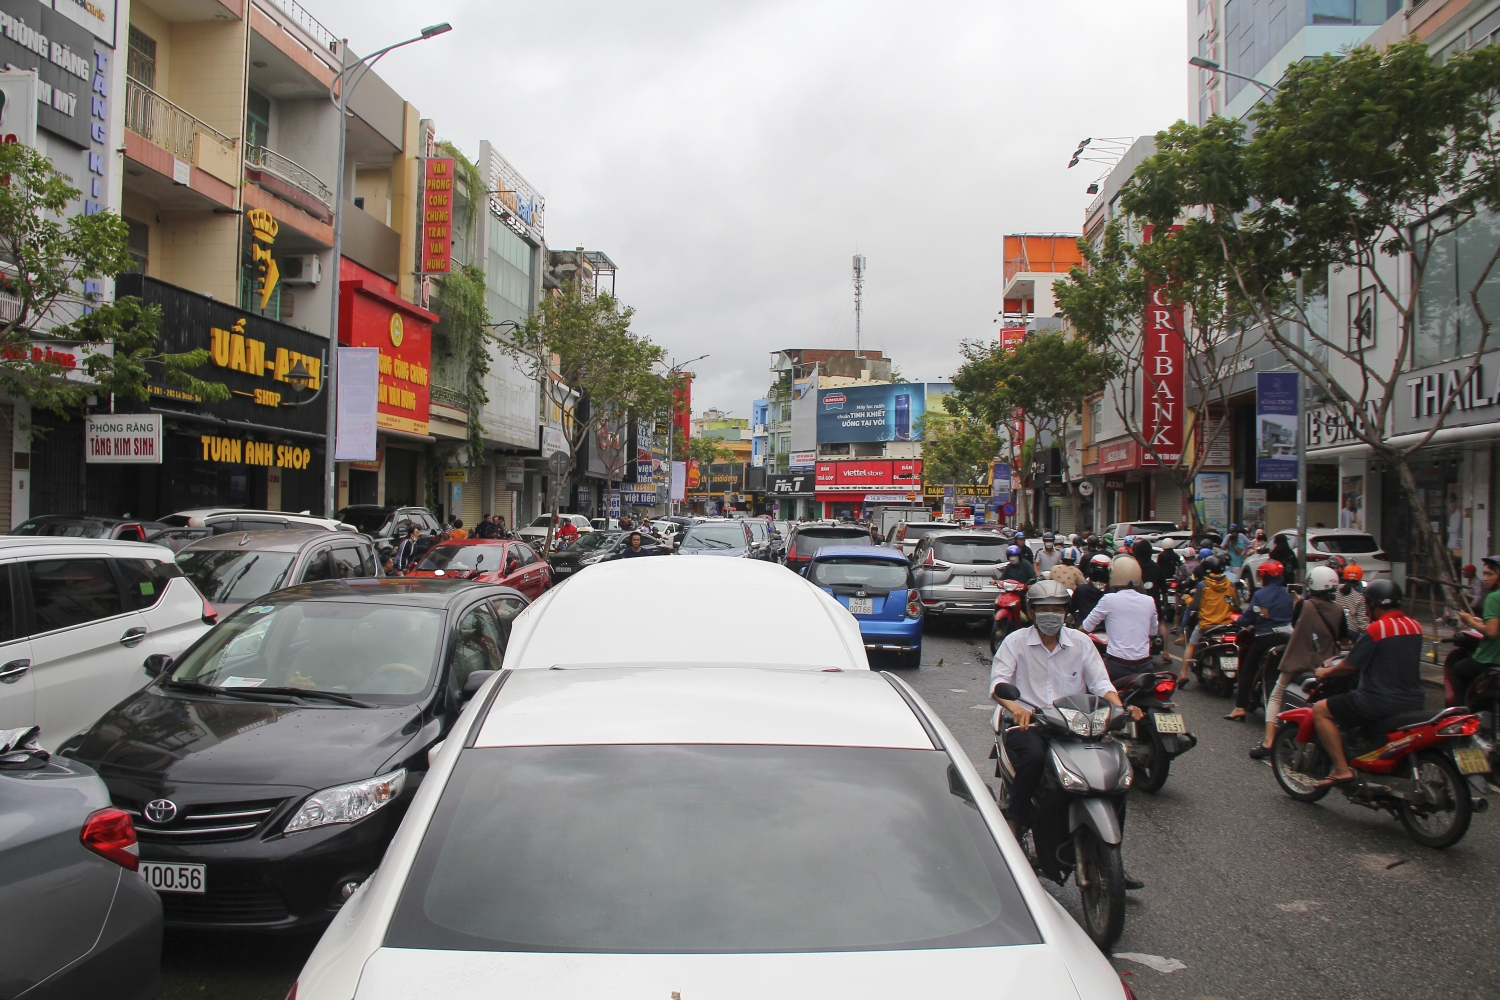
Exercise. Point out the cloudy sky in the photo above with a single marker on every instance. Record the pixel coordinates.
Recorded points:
(732, 157)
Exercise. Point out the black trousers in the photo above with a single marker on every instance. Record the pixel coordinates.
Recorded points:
(1028, 754)
(1464, 673)
(1250, 668)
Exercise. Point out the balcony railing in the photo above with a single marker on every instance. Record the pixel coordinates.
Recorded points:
(290, 172)
(314, 28)
(164, 124)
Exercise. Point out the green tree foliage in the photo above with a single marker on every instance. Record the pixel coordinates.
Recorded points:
(957, 448)
(463, 332)
(1366, 162)
(47, 256)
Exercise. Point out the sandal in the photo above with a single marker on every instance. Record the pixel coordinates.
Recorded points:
(1347, 779)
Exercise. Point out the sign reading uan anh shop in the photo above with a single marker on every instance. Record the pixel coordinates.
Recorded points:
(1424, 392)
(123, 439)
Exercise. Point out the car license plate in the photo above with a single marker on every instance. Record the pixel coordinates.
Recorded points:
(1472, 760)
(861, 605)
(174, 878)
(973, 583)
(1169, 722)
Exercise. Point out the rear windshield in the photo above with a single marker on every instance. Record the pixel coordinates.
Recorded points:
(915, 531)
(235, 574)
(810, 541)
(63, 529)
(707, 849)
(367, 521)
(714, 536)
(866, 574)
(1348, 545)
(983, 551)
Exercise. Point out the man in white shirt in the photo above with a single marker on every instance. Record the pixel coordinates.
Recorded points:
(1129, 616)
(1045, 662)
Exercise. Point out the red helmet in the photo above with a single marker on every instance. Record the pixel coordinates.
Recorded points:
(1271, 567)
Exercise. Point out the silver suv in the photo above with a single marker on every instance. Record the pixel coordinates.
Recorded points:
(956, 572)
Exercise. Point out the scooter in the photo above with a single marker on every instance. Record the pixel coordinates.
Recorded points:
(1426, 770)
(1159, 738)
(1079, 803)
(1217, 657)
(1482, 696)
(1008, 614)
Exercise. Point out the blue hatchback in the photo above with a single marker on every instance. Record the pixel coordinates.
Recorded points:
(876, 585)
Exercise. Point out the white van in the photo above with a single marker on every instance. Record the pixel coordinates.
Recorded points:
(714, 612)
(78, 618)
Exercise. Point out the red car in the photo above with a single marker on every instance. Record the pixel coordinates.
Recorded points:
(492, 560)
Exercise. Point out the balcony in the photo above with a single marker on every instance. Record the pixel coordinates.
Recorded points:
(290, 181)
(168, 127)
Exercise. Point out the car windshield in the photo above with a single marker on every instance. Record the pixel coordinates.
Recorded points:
(809, 542)
(974, 551)
(714, 536)
(707, 849)
(235, 574)
(1349, 545)
(457, 557)
(376, 652)
(63, 529)
(541, 522)
(593, 540)
(368, 521)
(867, 574)
(916, 531)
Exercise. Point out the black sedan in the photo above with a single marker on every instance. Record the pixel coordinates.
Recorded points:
(268, 768)
(597, 547)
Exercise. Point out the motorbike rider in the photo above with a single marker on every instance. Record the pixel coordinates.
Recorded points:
(1212, 603)
(1066, 572)
(1387, 659)
(1087, 594)
(1319, 625)
(1487, 654)
(1049, 557)
(1351, 597)
(1270, 607)
(1016, 567)
(1128, 616)
(1027, 556)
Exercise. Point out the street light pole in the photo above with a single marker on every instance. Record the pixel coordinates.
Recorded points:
(1214, 67)
(345, 85)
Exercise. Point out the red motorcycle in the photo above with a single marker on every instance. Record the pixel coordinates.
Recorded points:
(1008, 614)
(1427, 770)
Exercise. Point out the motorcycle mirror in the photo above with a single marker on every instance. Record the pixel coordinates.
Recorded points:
(1120, 721)
(1007, 691)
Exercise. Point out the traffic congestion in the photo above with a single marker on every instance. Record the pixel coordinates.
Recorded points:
(247, 755)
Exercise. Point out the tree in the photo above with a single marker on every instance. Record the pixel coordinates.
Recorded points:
(1366, 162)
(956, 447)
(1046, 377)
(707, 452)
(50, 265)
(463, 333)
(580, 350)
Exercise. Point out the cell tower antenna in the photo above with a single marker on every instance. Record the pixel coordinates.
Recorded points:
(859, 295)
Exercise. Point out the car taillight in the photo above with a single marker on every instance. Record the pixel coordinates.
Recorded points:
(1468, 725)
(931, 559)
(210, 616)
(110, 834)
(1381, 556)
(913, 604)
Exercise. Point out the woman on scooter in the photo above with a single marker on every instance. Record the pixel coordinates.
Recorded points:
(1212, 603)
(1351, 597)
(1270, 608)
(1319, 626)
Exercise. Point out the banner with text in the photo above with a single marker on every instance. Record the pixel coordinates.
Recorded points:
(1276, 426)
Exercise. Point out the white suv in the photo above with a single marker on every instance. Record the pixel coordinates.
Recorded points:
(78, 618)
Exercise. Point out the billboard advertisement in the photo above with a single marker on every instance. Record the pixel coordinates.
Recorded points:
(1276, 426)
(891, 412)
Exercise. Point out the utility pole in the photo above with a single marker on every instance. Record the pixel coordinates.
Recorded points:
(859, 295)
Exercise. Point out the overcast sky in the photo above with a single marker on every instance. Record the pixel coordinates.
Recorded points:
(732, 157)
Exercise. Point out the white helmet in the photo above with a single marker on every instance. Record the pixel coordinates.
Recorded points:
(1048, 592)
(1322, 580)
(1124, 571)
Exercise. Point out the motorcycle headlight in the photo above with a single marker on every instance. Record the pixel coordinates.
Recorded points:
(1099, 721)
(347, 803)
(1077, 721)
(1071, 780)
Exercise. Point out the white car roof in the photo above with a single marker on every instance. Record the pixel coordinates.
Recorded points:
(723, 611)
(737, 705)
(21, 546)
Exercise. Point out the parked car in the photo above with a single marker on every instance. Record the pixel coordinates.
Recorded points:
(536, 531)
(596, 618)
(673, 525)
(768, 544)
(387, 525)
(599, 547)
(270, 764)
(80, 526)
(80, 921)
(715, 832)
(232, 570)
(1357, 547)
(491, 560)
(957, 573)
(1116, 534)
(605, 523)
(876, 585)
(718, 538)
(906, 534)
(227, 520)
(807, 538)
(77, 618)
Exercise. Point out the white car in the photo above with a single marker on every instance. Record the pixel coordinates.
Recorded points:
(593, 620)
(536, 532)
(1359, 547)
(78, 619)
(225, 520)
(733, 833)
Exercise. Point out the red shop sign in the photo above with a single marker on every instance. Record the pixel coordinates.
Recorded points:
(903, 473)
(1162, 385)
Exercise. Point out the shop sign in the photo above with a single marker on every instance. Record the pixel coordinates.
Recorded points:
(35, 37)
(374, 466)
(1161, 383)
(122, 439)
(263, 229)
(962, 490)
(795, 484)
(455, 475)
(1117, 456)
(1326, 426)
(511, 196)
(637, 498)
(358, 380)
(1212, 440)
(238, 451)
(890, 498)
(802, 460)
(1276, 395)
(863, 475)
(372, 316)
(67, 355)
(1211, 498)
(1476, 400)
(552, 441)
(1086, 488)
(437, 216)
(515, 473)
(614, 503)
(1114, 483)
(1255, 509)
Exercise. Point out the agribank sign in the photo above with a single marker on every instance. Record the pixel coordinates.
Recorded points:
(1161, 386)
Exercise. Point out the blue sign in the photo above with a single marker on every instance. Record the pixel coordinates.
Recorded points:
(1000, 481)
(1008, 509)
(614, 503)
(1276, 429)
(871, 413)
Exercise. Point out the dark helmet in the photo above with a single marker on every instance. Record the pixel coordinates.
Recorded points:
(1211, 565)
(1383, 594)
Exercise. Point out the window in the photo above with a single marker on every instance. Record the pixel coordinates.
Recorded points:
(480, 645)
(140, 61)
(138, 242)
(145, 580)
(66, 593)
(257, 119)
(347, 563)
(7, 607)
(318, 569)
(970, 551)
(234, 574)
(1447, 325)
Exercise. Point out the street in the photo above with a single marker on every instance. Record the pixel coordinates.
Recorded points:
(1256, 896)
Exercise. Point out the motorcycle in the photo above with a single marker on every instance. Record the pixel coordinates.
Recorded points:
(1217, 657)
(1482, 696)
(1427, 770)
(1159, 738)
(1008, 615)
(1078, 829)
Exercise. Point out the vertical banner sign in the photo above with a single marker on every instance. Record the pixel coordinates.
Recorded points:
(1162, 384)
(1000, 482)
(1276, 426)
(437, 216)
(1211, 498)
(359, 404)
(679, 480)
(614, 503)
(682, 410)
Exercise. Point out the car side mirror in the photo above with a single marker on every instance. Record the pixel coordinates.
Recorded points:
(1007, 691)
(156, 664)
(474, 682)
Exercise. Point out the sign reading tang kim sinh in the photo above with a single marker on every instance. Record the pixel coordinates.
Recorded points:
(123, 439)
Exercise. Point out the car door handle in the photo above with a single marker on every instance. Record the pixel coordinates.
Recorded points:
(132, 637)
(13, 671)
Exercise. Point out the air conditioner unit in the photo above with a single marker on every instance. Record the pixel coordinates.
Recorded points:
(302, 269)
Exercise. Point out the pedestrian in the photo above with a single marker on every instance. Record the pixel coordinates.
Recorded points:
(1281, 551)
(1318, 626)
(1473, 588)
(486, 527)
(1270, 608)
(387, 565)
(635, 548)
(1487, 653)
(458, 533)
(406, 552)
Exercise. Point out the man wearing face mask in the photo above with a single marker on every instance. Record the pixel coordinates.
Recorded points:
(1016, 568)
(1049, 557)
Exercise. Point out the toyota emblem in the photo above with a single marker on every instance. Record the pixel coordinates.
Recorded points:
(161, 811)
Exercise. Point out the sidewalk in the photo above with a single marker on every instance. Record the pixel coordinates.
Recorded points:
(1435, 644)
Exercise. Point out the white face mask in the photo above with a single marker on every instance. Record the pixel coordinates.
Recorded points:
(1049, 622)
(1014, 560)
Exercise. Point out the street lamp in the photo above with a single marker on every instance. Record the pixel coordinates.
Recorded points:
(1214, 67)
(343, 83)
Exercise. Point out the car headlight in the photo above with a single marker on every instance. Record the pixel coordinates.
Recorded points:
(1071, 780)
(347, 803)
